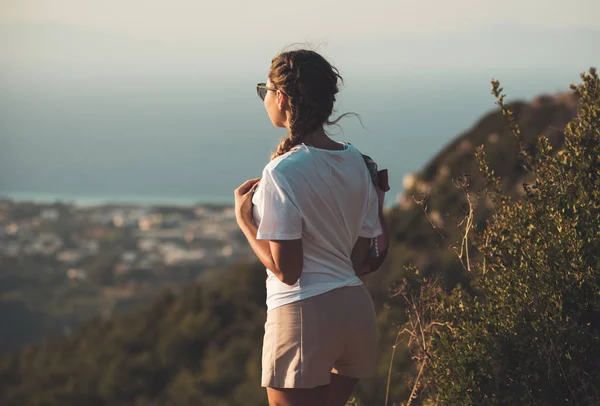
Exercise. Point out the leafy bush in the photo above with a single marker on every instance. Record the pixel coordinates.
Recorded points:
(527, 329)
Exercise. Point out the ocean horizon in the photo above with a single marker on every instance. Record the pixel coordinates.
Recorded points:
(194, 143)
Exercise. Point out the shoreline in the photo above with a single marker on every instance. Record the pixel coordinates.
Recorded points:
(104, 200)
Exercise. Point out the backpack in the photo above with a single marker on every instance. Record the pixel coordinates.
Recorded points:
(379, 245)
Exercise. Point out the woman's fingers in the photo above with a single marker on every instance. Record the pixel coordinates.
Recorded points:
(246, 186)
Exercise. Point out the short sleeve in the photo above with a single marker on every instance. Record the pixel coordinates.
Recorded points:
(280, 219)
(371, 226)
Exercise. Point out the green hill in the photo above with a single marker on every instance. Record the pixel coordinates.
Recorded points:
(203, 346)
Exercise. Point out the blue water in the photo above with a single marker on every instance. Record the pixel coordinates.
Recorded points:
(185, 143)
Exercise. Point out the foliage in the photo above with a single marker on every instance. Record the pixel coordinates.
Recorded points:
(530, 333)
(202, 347)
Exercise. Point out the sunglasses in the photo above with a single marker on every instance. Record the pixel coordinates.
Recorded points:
(262, 89)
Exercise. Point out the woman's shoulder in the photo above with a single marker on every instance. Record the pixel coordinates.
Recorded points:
(288, 161)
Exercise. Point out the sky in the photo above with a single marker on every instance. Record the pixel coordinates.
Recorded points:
(242, 22)
(207, 39)
(173, 81)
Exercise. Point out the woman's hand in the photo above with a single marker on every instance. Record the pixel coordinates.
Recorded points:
(243, 200)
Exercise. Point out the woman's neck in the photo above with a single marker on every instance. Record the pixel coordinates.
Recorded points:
(319, 139)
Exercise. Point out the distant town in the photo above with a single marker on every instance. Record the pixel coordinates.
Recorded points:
(201, 235)
(72, 262)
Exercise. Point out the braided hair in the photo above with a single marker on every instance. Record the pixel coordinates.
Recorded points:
(311, 83)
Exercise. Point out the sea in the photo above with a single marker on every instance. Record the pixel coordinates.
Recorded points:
(192, 142)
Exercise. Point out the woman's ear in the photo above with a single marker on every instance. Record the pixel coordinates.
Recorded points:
(282, 100)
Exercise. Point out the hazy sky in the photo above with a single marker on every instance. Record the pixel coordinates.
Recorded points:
(243, 21)
(133, 38)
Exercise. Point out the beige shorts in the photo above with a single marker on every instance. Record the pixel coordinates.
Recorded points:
(306, 341)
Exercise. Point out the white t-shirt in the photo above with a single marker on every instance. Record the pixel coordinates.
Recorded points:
(325, 197)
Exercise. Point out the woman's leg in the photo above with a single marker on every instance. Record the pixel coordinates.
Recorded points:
(340, 389)
(298, 397)
(336, 393)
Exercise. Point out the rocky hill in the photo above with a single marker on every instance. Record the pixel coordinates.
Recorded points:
(434, 186)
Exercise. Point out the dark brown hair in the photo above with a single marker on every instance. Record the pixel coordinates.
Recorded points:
(311, 83)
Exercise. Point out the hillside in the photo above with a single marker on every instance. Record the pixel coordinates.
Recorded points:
(415, 240)
(203, 346)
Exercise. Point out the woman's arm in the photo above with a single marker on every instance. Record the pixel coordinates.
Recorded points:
(361, 261)
(285, 258)
(359, 255)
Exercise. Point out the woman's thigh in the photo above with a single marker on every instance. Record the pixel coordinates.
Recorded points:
(298, 397)
(340, 389)
(336, 393)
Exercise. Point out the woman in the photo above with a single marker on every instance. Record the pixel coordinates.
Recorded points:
(315, 211)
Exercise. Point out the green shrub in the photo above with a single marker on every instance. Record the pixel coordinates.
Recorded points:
(527, 330)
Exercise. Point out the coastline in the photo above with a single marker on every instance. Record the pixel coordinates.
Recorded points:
(83, 200)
